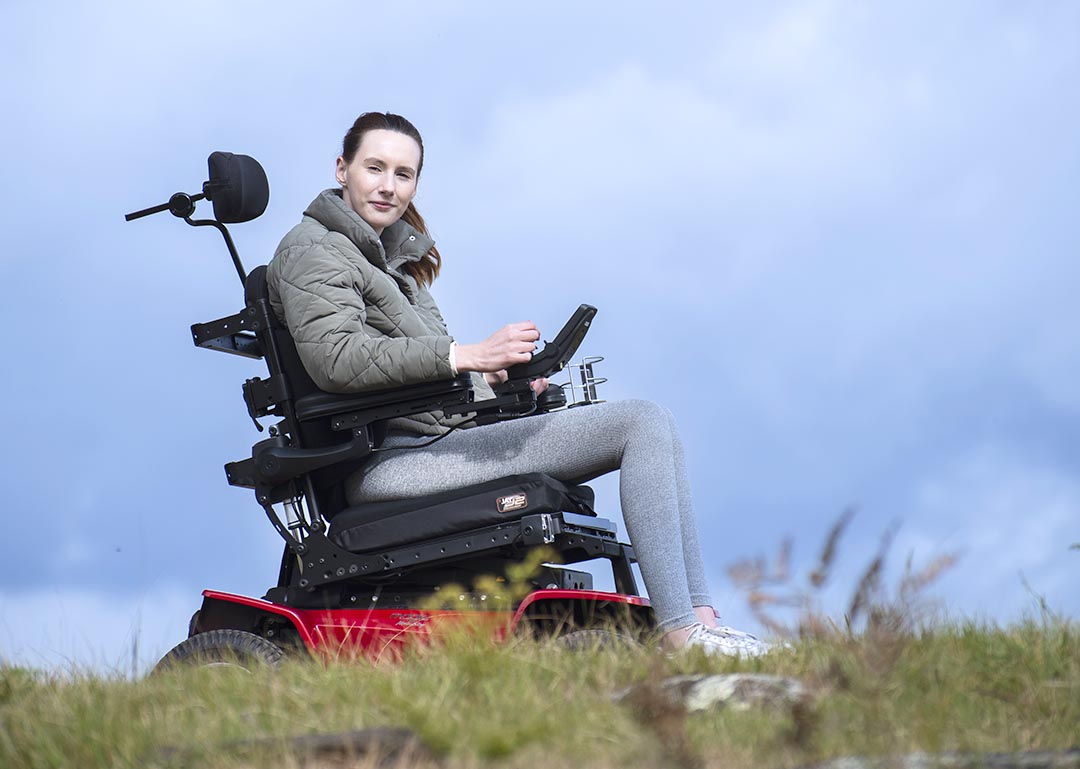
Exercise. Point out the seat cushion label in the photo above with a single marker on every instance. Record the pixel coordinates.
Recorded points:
(512, 502)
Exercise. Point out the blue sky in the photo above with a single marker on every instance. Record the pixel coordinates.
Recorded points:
(837, 239)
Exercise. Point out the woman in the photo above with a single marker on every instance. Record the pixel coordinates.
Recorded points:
(351, 283)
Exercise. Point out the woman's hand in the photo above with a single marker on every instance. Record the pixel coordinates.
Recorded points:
(513, 343)
(539, 385)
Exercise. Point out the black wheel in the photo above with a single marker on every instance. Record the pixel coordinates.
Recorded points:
(225, 648)
(596, 639)
(193, 623)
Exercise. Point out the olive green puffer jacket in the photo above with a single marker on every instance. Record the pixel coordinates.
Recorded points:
(359, 320)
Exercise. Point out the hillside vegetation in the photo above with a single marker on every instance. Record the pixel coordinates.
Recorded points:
(476, 703)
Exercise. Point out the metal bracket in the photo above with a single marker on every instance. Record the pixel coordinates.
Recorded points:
(262, 395)
(538, 529)
(233, 334)
(241, 473)
(548, 528)
(601, 527)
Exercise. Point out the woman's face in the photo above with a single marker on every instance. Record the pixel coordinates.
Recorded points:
(380, 182)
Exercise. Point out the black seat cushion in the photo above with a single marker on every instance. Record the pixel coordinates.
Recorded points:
(382, 525)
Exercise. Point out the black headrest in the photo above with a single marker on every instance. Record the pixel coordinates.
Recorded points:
(237, 187)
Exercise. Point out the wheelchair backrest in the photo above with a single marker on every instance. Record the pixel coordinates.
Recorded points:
(283, 362)
(280, 346)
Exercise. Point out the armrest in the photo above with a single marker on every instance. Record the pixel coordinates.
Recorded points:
(273, 462)
(368, 407)
(274, 465)
(453, 396)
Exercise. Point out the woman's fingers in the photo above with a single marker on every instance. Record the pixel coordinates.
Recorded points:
(511, 344)
(517, 340)
(527, 330)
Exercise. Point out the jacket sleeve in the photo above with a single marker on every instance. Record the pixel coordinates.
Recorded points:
(323, 297)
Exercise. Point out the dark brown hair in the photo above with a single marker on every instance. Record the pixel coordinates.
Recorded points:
(427, 269)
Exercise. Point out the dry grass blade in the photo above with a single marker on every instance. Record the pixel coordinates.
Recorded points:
(752, 574)
(759, 598)
(769, 623)
(874, 608)
(748, 574)
(870, 584)
(812, 625)
(914, 583)
(820, 575)
(782, 572)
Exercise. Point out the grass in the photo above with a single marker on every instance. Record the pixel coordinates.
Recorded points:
(885, 681)
(475, 703)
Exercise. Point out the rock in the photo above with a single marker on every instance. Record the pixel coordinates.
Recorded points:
(741, 691)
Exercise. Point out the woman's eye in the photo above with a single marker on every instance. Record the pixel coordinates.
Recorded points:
(404, 176)
(374, 169)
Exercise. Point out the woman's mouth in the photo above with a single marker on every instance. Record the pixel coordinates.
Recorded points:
(380, 206)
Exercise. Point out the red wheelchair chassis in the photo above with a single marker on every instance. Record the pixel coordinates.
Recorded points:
(380, 634)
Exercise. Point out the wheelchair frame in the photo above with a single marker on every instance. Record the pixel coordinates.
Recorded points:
(329, 600)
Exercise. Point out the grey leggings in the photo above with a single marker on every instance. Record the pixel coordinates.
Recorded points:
(639, 438)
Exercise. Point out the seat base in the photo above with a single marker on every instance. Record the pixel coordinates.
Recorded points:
(382, 525)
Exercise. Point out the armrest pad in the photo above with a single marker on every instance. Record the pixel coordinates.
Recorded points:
(323, 404)
(276, 464)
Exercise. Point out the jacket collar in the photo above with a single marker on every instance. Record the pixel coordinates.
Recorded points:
(404, 243)
(399, 243)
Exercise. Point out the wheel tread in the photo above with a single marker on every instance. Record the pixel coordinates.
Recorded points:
(216, 646)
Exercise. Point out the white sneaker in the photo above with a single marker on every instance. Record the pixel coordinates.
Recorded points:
(725, 641)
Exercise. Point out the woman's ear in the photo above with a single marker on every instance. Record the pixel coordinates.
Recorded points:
(341, 170)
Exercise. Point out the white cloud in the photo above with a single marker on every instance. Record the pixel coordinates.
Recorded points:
(1008, 515)
(782, 112)
(1050, 361)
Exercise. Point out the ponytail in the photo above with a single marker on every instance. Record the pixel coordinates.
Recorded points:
(427, 269)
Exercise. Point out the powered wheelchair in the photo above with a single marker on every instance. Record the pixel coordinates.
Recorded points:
(360, 580)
